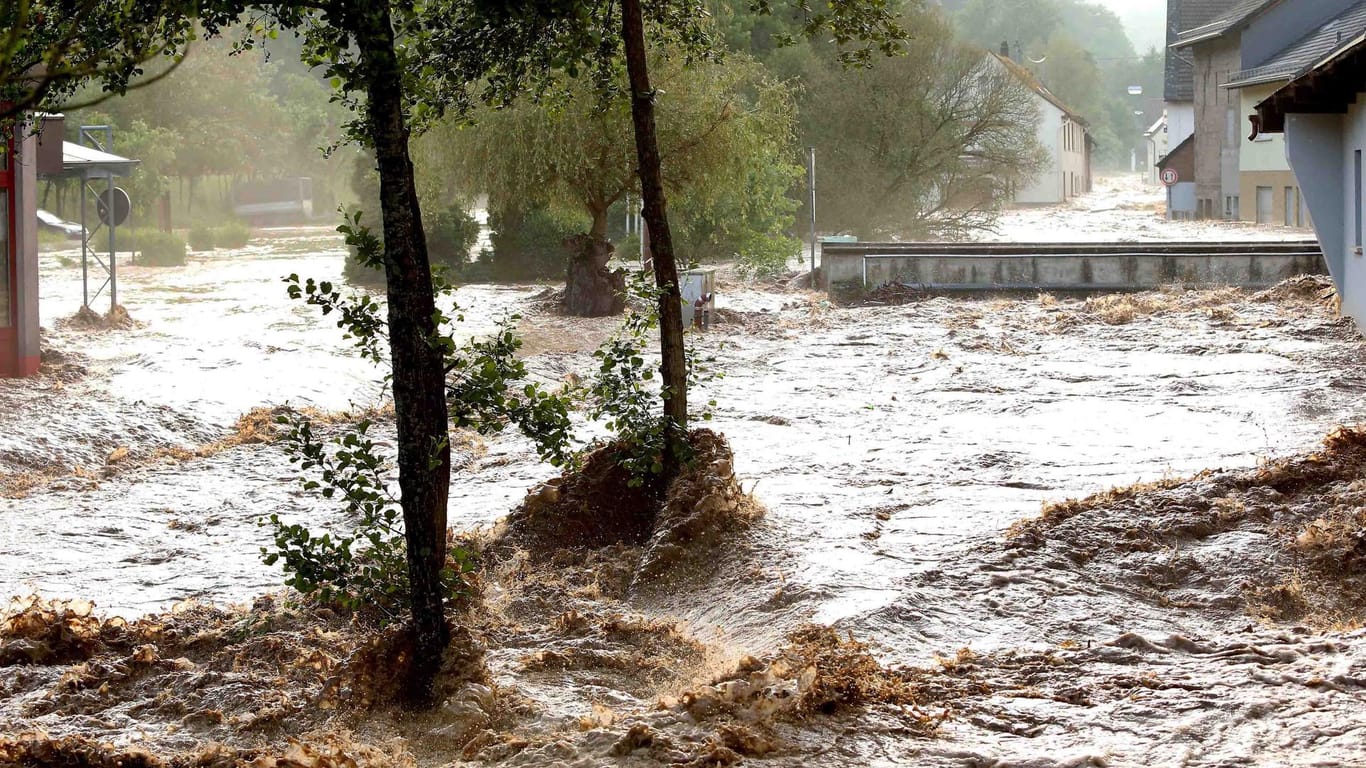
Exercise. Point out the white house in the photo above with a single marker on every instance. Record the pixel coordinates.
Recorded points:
(1324, 125)
(1063, 135)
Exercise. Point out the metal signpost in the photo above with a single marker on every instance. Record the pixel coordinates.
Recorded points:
(111, 208)
(811, 185)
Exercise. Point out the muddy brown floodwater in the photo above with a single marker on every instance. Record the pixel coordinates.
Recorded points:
(892, 449)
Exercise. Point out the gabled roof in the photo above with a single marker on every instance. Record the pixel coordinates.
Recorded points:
(1305, 52)
(1032, 83)
(1187, 145)
(1179, 70)
(1328, 86)
(1235, 18)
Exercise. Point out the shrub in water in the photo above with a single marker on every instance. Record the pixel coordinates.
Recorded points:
(529, 246)
(154, 248)
(450, 236)
(201, 239)
(234, 234)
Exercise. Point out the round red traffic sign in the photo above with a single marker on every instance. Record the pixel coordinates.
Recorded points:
(1170, 176)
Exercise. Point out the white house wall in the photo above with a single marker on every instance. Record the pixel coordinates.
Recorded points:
(1352, 283)
(1047, 185)
(1180, 122)
(1053, 184)
(1321, 148)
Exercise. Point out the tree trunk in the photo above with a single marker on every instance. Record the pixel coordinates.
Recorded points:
(424, 457)
(673, 363)
(590, 288)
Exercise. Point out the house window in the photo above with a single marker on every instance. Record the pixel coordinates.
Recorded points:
(1231, 207)
(1356, 200)
(1289, 204)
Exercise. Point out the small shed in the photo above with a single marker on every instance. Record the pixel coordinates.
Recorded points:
(1179, 164)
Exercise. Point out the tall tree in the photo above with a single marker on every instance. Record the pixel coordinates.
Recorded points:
(50, 48)
(573, 148)
(928, 144)
(546, 35)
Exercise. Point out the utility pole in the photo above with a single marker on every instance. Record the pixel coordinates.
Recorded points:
(811, 185)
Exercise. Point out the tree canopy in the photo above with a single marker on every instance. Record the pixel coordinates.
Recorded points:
(572, 146)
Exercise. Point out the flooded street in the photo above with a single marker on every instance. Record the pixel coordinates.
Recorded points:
(892, 447)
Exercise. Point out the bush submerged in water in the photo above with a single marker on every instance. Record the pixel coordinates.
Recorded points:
(234, 234)
(154, 248)
(451, 235)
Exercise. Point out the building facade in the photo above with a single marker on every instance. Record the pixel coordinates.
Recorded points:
(1218, 128)
(1064, 136)
(1238, 58)
(1323, 123)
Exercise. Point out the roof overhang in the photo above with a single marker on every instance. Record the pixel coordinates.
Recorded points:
(1330, 86)
(88, 163)
(1221, 26)
(1253, 79)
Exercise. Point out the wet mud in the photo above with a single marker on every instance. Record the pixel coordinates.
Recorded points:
(901, 456)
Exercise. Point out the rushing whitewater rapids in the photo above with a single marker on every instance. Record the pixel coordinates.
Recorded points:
(891, 447)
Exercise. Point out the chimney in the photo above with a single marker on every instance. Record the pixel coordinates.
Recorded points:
(1005, 49)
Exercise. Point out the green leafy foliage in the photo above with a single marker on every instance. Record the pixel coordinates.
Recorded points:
(748, 223)
(725, 131)
(527, 244)
(364, 569)
(488, 390)
(621, 395)
(154, 248)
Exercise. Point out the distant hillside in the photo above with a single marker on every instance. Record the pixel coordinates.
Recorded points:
(1144, 20)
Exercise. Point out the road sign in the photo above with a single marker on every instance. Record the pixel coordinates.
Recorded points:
(118, 211)
(1170, 176)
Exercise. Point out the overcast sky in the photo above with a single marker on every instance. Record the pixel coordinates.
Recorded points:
(1144, 20)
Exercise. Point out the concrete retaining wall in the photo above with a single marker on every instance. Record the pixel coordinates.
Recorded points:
(1060, 270)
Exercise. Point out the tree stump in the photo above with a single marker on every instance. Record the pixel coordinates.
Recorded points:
(591, 289)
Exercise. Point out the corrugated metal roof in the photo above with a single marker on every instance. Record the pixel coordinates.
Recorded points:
(1233, 18)
(1305, 52)
(77, 159)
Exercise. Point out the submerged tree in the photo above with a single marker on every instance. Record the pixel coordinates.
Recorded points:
(398, 64)
(573, 148)
(540, 37)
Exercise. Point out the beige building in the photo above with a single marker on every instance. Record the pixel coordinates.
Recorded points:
(1239, 58)
(1265, 181)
